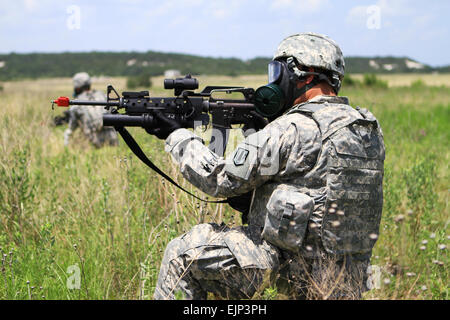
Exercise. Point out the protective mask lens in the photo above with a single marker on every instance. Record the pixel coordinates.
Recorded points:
(275, 71)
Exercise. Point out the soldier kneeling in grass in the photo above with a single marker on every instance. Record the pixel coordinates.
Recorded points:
(89, 118)
(309, 185)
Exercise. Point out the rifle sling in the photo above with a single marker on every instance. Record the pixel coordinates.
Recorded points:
(132, 144)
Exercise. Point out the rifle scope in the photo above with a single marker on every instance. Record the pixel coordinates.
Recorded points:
(180, 84)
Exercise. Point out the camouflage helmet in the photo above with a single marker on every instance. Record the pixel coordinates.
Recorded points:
(313, 50)
(81, 79)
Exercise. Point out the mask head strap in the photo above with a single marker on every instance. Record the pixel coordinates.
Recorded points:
(302, 75)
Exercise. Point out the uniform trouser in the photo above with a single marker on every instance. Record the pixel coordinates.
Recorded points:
(211, 258)
(233, 264)
(105, 136)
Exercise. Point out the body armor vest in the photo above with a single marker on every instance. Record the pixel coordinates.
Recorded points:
(346, 182)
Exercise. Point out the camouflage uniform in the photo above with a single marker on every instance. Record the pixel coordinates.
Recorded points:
(89, 119)
(317, 175)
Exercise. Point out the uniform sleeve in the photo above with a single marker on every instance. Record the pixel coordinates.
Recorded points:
(73, 118)
(73, 124)
(258, 159)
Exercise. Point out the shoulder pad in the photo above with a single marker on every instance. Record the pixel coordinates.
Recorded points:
(307, 108)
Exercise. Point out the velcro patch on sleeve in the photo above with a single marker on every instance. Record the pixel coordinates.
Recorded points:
(242, 161)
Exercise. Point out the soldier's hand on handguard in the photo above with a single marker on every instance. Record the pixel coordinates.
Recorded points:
(165, 126)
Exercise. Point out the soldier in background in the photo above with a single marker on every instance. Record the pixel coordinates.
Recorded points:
(89, 118)
(315, 178)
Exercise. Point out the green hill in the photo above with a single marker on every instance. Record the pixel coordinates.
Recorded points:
(385, 65)
(38, 65)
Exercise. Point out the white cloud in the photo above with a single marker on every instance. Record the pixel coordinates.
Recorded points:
(281, 3)
(15, 13)
(163, 9)
(300, 6)
(177, 9)
(395, 8)
(30, 5)
(357, 15)
(220, 10)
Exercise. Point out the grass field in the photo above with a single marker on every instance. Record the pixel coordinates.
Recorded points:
(102, 212)
(399, 80)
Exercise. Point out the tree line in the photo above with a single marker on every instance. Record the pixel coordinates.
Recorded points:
(37, 65)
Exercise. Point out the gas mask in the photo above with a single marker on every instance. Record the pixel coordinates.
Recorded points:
(281, 91)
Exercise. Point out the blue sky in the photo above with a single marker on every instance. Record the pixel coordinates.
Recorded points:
(227, 28)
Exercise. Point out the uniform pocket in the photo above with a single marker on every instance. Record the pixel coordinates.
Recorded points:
(287, 217)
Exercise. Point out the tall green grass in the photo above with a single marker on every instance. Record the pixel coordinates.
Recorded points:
(105, 213)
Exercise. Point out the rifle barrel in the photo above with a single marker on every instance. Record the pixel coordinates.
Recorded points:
(94, 103)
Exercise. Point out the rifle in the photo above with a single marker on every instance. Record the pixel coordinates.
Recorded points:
(188, 108)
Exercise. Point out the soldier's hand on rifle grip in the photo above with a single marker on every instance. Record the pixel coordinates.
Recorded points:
(258, 123)
(165, 126)
(242, 204)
